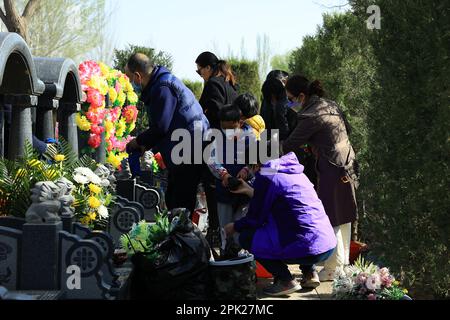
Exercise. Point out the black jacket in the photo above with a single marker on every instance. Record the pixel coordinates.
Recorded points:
(216, 94)
(276, 117)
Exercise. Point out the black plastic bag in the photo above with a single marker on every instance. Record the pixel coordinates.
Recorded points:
(180, 272)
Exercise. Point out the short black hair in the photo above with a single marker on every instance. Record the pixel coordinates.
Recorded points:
(229, 113)
(248, 105)
(139, 62)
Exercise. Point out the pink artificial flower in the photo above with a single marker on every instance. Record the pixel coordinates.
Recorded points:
(95, 98)
(373, 282)
(362, 278)
(130, 114)
(94, 141)
(114, 114)
(372, 297)
(387, 281)
(384, 271)
(118, 87)
(96, 129)
(88, 69)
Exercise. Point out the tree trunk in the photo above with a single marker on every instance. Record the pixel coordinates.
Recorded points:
(15, 22)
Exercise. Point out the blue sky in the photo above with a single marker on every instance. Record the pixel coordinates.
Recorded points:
(186, 28)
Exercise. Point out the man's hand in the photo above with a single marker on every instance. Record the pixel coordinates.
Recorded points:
(133, 146)
(243, 174)
(225, 180)
(229, 229)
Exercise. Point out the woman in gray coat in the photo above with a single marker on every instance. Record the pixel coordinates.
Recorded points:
(322, 125)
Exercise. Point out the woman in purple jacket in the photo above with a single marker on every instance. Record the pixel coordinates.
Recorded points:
(285, 224)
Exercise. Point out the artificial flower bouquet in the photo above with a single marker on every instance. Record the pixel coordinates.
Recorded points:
(366, 281)
(109, 110)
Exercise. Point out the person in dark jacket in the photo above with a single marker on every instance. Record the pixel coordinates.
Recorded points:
(170, 106)
(220, 86)
(285, 224)
(219, 90)
(322, 125)
(275, 104)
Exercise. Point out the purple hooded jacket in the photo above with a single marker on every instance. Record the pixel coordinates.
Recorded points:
(288, 216)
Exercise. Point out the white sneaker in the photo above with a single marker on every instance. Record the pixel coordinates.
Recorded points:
(326, 275)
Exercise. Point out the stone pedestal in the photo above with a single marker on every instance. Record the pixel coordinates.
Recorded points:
(67, 126)
(40, 256)
(126, 189)
(45, 127)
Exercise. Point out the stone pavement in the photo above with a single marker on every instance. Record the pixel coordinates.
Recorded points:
(323, 292)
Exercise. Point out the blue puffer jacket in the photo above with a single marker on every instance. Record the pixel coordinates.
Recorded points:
(170, 106)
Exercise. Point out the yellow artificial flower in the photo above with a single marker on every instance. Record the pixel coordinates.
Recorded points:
(112, 95)
(60, 158)
(113, 160)
(85, 220)
(104, 68)
(82, 122)
(92, 215)
(94, 202)
(99, 83)
(122, 155)
(95, 188)
(405, 291)
(121, 127)
(132, 97)
(129, 88)
(121, 98)
(123, 82)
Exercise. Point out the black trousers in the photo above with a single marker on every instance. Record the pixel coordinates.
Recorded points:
(182, 185)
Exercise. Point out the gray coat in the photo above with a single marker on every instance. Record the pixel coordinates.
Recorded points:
(321, 125)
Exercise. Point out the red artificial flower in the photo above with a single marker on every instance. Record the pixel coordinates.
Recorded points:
(95, 98)
(130, 114)
(96, 129)
(94, 141)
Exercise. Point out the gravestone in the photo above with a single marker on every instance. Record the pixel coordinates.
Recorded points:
(121, 220)
(106, 243)
(12, 222)
(87, 255)
(150, 199)
(10, 250)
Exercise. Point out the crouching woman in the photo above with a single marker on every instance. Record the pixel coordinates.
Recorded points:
(286, 224)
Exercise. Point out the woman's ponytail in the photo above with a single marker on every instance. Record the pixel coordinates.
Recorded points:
(224, 69)
(316, 88)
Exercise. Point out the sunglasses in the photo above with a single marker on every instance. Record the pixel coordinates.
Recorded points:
(199, 71)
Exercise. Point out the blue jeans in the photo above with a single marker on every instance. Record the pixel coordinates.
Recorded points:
(279, 268)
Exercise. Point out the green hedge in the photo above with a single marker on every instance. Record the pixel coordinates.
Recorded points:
(247, 76)
(158, 57)
(195, 86)
(393, 84)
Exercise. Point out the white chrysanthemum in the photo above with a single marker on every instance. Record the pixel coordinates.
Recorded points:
(103, 212)
(373, 282)
(81, 179)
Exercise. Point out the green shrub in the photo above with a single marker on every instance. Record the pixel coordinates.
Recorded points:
(158, 57)
(195, 86)
(247, 76)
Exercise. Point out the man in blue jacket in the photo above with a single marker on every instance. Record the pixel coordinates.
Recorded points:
(170, 106)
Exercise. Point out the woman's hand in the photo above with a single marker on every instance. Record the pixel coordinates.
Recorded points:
(229, 229)
(244, 188)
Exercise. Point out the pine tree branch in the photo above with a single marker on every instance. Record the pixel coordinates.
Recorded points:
(30, 8)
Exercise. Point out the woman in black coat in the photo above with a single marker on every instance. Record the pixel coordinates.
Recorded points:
(219, 90)
(220, 86)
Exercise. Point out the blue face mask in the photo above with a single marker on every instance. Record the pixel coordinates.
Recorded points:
(136, 87)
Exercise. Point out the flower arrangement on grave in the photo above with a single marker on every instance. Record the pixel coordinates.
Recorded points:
(366, 281)
(144, 238)
(92, 192)
(110, 108)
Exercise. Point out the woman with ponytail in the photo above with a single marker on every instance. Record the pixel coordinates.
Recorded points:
(220, 86)
(322, 125)
(219, 90)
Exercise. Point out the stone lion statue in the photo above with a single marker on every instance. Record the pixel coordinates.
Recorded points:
(49, 201)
